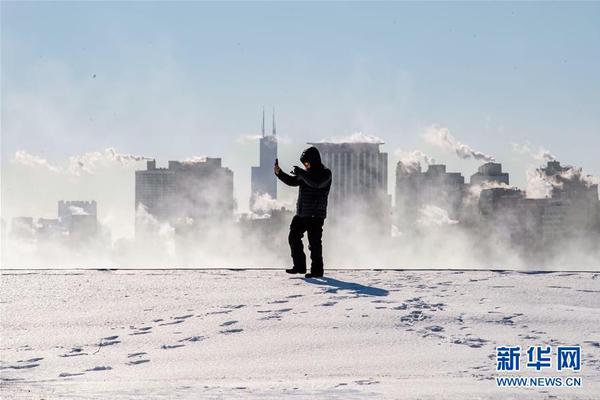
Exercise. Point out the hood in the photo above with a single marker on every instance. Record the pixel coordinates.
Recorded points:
(311, 155)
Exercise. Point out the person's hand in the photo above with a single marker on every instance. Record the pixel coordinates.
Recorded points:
(276, 168)
(297, 170)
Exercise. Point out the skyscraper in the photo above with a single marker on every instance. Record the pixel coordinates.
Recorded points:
(359, 181)
(263, 180)
(434, 187)
(489, 172)
(193, 193)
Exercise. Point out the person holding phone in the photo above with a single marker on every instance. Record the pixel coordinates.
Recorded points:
(314, 182)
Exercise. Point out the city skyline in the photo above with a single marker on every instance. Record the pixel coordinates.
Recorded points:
(195, 84)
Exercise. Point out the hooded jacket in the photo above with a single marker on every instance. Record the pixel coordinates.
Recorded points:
(314, 185)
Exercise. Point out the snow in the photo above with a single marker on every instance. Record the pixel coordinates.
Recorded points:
(165, 334)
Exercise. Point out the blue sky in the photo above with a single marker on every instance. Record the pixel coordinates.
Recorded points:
(175, 80)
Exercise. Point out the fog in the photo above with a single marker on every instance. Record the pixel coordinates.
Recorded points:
(439, 233)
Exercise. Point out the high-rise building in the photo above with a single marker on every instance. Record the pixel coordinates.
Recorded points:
(434, 187)
(573, 207)
(489, 172)
(359, 180)
(192, 193)
(67, 209)
(263, 180)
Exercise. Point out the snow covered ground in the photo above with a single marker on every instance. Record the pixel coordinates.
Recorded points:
(263, 334)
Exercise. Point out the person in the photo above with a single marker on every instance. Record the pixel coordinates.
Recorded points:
(314, 183)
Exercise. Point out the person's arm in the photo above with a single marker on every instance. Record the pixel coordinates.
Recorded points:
(287, 179)
(317, 181)
(283, 177)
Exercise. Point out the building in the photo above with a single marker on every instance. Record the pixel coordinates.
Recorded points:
(573, 207)
(491, 201)
(434, 187)
(191, 193)
(359, 181)
(22, 228)
(263, 180)
(50, 229)
(66, 210)
(490, 172)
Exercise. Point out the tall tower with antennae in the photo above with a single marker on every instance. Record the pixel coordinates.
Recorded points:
(274, 131)
(263, 180)
(263, 123)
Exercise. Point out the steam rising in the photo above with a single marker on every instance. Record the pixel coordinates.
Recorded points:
(441, 137)
(541, 155)
(29, 160)
(77, 210)
(439, 232)
(413, 160)
(357, 137)
(87, 162)
(264, 202)
(475, 190)
(195, 159)
(430, 216)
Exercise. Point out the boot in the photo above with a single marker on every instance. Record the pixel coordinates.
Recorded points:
(295, 270)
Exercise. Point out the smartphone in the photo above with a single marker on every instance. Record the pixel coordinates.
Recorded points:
(277, 161)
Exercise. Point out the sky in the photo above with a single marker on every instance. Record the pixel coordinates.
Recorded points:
(172, 80)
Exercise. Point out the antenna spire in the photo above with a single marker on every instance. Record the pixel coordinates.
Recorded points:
(263, 122)
(274, 130)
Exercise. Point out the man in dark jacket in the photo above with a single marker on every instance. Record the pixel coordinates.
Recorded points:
(311, 209)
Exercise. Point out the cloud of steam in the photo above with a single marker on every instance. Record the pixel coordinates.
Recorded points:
(195, 160)
(476, 189)
(413, 160)
(541, 155)
(539, 186)
(78, 164)
(357, 137)
(166, 233)
(431, 216)
(29, 160)
(441, 137)
(90, 161)
(111, 153)
(576, 174)
(77, 210)
(264, 202)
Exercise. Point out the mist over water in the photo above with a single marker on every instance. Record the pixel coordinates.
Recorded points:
(439, 233)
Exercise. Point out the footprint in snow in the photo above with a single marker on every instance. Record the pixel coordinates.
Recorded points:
(328, 304)
(178, 321)
(227, 323)
(171, 346)
(19, 366)
(471, 342)
(277, 301)
(75, 351)
(68, 374)
(99, 368)
(136, 354)
(141, 331)
(234, 307)
(228, 331)
(366, 382)
(184, 317)
(108, 341)
(136, 362)
(192, 339)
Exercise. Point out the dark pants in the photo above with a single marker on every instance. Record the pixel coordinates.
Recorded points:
(313, 226)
